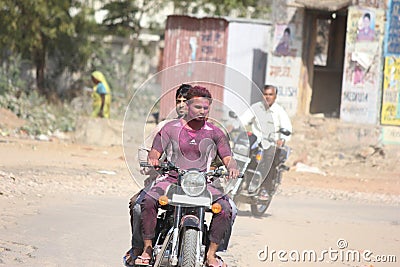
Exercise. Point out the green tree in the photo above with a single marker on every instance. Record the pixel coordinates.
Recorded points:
(127, 18)
(237, 8)
(37, 29)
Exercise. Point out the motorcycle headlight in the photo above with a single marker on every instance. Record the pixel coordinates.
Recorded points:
(193, 183)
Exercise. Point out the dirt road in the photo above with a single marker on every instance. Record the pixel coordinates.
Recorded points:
(84, 230)
(65, 204)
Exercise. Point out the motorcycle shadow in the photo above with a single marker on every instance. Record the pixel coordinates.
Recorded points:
(247, 213)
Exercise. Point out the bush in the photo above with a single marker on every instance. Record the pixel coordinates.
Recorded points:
(41, 117)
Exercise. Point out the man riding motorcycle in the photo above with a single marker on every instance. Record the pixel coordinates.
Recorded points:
(189, 142)
(276, 118)
(134, 203)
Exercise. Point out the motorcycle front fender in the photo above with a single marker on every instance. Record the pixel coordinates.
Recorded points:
(190, 221)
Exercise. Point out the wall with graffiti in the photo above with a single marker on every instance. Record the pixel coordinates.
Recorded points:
(362, 79)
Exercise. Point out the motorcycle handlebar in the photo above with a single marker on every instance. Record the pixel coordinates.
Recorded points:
(170, 166)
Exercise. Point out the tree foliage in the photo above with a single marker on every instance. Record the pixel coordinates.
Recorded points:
(37, 29)
(126, 18)
(65, 31)
(235, 8)
(131, 18)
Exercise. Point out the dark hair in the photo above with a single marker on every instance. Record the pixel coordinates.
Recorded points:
(199, 91)
(367, 15)
(287, 30)
(182, 90)
(270, 86)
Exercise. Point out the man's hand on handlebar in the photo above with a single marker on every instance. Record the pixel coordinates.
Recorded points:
(154, 162)
(280, 142)
(233, 173)
(153, 158)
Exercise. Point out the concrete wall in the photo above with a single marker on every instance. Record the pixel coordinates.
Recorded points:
(246, 45)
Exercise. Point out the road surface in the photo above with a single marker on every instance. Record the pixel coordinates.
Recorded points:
(79, 230)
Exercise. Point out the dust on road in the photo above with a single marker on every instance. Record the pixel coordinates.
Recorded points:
(66, 203)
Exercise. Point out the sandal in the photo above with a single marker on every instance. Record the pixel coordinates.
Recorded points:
(129, 259)
(142, 261)
(221, 263)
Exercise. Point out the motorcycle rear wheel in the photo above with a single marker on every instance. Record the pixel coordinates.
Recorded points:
(189, 246)
(259, 209)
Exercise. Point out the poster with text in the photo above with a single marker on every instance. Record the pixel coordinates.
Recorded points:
(283, 67)
(391, 92)
(362, 66)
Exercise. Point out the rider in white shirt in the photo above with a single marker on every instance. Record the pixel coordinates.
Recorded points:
(274, 115)
(266, 118)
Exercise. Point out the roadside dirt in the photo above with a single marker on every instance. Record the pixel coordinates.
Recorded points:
(319, 159)
(35, 173)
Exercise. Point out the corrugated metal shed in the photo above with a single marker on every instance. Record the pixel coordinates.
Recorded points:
(190, 39)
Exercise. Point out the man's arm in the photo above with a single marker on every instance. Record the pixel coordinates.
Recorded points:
(150, 138)
(230, 164)
(247, 117)
(157, 147)
(225, 153)
(154, 156)
(285, 123)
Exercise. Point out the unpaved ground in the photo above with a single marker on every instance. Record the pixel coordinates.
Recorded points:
(37, 174)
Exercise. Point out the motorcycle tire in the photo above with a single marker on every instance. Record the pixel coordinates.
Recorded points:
(259, 209)
(189, 246)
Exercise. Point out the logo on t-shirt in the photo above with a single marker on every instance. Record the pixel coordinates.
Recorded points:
(193, 142)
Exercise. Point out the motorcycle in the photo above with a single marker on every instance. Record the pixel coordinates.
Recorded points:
(257, 166)
(182, 232)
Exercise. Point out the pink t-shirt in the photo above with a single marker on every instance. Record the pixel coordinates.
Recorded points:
(188, 148)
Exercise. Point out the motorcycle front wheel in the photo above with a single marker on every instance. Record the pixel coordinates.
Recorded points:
(259, 209)
(189, 246)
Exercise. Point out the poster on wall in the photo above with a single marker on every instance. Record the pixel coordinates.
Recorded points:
(283, 68)
(362, 67)
(391, 92)
(390, 113)
(392, 36)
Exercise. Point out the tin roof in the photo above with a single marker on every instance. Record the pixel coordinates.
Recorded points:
(328, 5)
(228, 19)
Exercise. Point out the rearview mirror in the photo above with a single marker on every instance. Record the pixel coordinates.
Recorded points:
(285, 131)
(232, 114)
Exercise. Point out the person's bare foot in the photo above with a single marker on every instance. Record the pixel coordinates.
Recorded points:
(145, 258)
(131, 255)
(212, 259)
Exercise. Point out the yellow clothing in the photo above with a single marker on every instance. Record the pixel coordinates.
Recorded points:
(97, 98)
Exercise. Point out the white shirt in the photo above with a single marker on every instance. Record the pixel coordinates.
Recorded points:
(146, 146)
(267, 122)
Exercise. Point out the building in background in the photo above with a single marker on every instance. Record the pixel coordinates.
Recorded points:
(240, 44)
(344, 71)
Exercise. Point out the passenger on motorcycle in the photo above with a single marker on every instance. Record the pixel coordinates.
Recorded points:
(275, 118)
(189, 142)
(134, 203)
